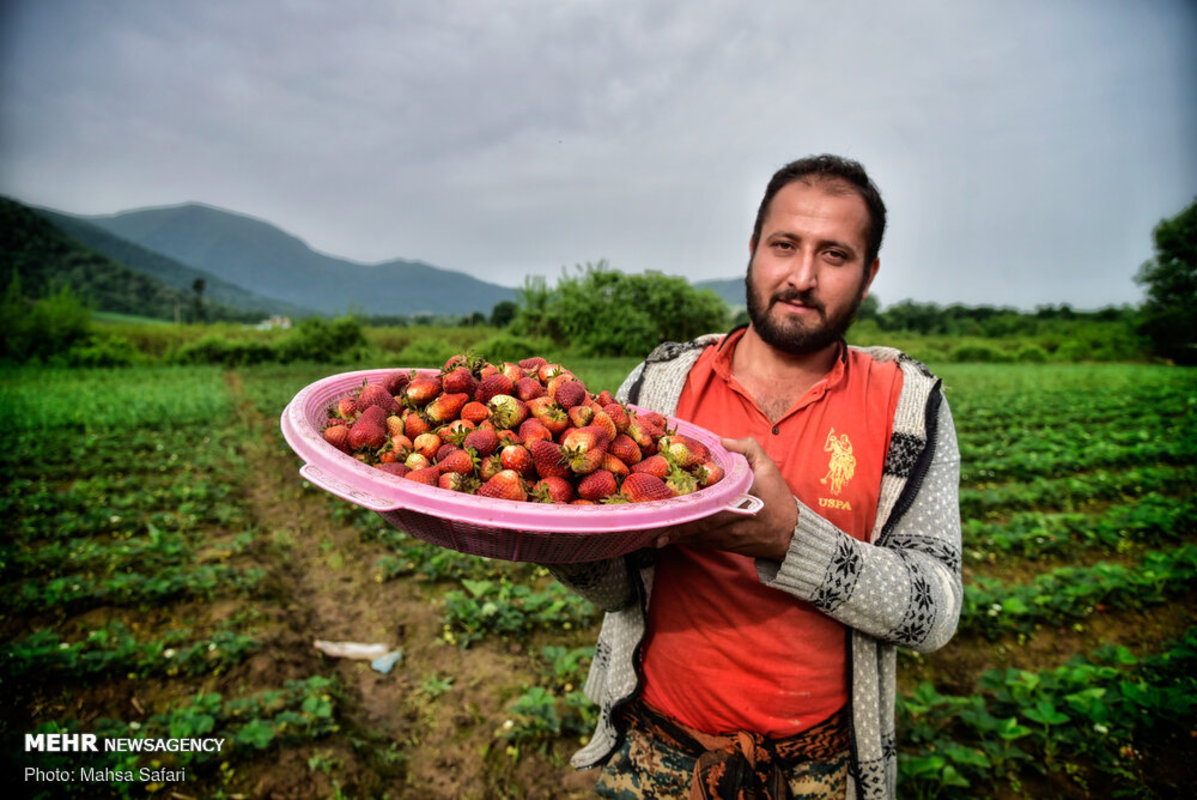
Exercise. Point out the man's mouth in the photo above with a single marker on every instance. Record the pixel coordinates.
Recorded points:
(794, 298)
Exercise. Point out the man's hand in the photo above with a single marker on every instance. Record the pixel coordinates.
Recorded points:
(764, 535)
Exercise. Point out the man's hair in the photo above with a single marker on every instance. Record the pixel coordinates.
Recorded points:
(833, 172)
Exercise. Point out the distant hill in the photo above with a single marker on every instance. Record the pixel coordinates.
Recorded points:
(46, 259)
(730, 289)
(265, 260)
(170, 272)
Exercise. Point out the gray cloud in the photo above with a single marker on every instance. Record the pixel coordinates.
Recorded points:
(1025, 149)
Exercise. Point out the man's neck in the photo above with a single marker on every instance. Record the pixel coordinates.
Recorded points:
(777, 379)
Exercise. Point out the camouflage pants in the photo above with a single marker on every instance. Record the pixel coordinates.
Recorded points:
(658, 760)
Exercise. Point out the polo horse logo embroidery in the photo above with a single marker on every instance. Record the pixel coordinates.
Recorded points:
(842, 465)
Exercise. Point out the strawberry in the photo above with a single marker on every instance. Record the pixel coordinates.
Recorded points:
(455, 431)
(416, 461)
(446, 407)
(602, 420)
(569, 393)
(475, 412)
(552, 490)
(395, 382)
(345, 408)
(395, 468)
(653, 465)
(516, 457)
(428, 476)
(528, 388)
(548, 459)
(492, 385)
(414, 424)
(683, 450)
(597, 485)
(426, 444)
(456, 482)
(584, 448)
(532, 429)
(422, 390)
(506, 484)
(444, 450)
(681, 482)
(612, 464)
(483, 440)
(507, 412)
(400, 445)
(394, 425)
(369, 430)
(623, 448)
(605, 398)
(508, 436)
(654, 419)
(618, 414)
(532, 364)
(374, 395)
(551, 415)
(512, 370)
(641, 487)
(489, 467)
(580, 416)
(338, 437)
(459, 380)
(708, 473)
(546, 372)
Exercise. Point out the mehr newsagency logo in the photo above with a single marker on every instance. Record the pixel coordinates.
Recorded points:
(92, 743)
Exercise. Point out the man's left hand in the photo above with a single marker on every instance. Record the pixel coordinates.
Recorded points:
(766, 534)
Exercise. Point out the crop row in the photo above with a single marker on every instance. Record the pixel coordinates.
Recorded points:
(1088, 720)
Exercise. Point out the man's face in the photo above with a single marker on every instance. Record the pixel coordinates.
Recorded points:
(807, 274)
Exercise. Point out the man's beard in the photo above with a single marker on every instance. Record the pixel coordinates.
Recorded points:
(792, 335)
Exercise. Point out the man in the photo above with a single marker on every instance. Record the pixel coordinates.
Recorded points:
(757, 654)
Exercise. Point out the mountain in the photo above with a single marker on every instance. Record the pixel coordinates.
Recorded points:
(730, 289)
(170, 272)
(44, 259)
(268, 261)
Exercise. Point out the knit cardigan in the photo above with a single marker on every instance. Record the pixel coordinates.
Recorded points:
(902, 587)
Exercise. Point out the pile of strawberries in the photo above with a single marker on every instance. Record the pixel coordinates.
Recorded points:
(517, 431)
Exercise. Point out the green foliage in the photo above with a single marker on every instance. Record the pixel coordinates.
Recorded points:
(1170, 312)
(599, 311)
(40, 329)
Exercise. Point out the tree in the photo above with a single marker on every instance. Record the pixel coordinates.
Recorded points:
(503, 313)
(1169, 315)
(198, 286)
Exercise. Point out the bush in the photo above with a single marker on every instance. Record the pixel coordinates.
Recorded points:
(1031, 354)
(109, 351)
(317, 339)
(978, 353)
(216, 349)
(426, 353)
(505, 347)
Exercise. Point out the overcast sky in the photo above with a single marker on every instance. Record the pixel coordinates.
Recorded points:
(1025, 149)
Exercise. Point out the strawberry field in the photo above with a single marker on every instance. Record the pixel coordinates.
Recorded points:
(167, 572)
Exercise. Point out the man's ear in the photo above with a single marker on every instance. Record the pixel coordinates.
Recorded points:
(872, 271)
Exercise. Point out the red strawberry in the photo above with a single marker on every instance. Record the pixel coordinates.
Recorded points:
(641, 487)
(429, 476)
(506, 411)
(493, 385)
(580, 416)
(605, 422)
(570, 393)
(548, 459)
(443, 452)
(506, 484)
(532, 429)
(475, 412)
(394, 425)
(597, 485)
(483, 440)
(374, 395)
(370, 430)
(552, 490)
(584, 448)
(653, 465)
(400, 445)
(446, 407)
(684, 451)
(455, 431)
(532, 364)
(346, 408)
(395, 382)
(338, 437)
(612, 464)
(605, 398)
(422, 390)
(625, 449)
(456, 482)
(416, 461)
(516, 457)
(618, 414)
(654, 419)
(708, 474)
(546, 372)
(395, 468)
(459, 380)
(551, 415)
(414, 424)
(528, 388)
(489, 467)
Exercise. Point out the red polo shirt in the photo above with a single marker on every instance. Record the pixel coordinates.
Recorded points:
(724, 651)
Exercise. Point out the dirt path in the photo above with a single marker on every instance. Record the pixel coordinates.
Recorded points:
(399, 739)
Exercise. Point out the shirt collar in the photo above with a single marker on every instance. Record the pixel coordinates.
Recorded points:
(727, 350)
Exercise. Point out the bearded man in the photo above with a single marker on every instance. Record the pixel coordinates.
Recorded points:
(755, 656)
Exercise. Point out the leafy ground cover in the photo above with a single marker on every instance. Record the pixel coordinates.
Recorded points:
(166, 573)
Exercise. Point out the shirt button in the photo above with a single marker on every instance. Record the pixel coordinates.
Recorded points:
(776, 430)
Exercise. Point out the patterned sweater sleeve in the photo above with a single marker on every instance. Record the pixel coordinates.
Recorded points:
(905, 587)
